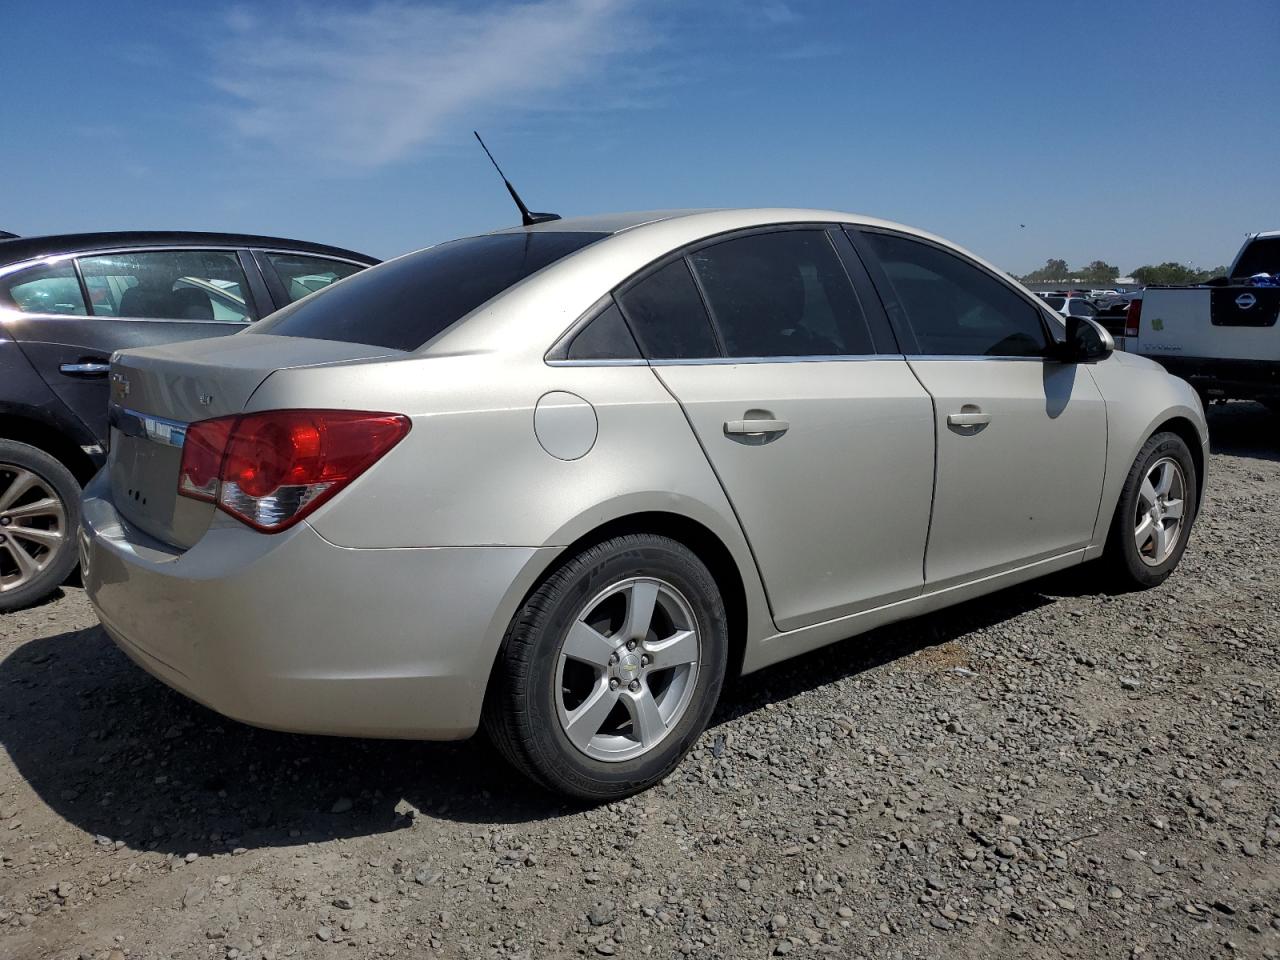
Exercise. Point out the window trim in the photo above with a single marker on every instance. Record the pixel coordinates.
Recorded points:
(250, 301)
(554, 356)
(76, 255)
(902, 325)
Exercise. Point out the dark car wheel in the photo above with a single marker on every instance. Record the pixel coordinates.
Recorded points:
(39, 516)
(1156, 510)
(610, 670)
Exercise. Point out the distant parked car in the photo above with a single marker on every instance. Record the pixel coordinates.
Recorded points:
(66, 304)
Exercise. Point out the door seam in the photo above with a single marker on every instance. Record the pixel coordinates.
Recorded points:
(933, 492)
(746, 537)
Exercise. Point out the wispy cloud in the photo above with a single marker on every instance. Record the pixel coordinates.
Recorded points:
(366, 88)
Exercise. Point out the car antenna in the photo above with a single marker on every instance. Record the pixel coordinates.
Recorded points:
(527, 217)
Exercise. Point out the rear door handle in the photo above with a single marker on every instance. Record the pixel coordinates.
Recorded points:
(968, 419)
(86, 368)
(756, 427)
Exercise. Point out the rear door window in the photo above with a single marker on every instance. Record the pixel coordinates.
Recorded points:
(204, 285)
(302, 275)
(666, 315)
(783, 294)
(1081, 308)
(403, 303)
(48, 288)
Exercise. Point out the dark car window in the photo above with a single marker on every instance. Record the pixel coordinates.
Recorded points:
(1081, 308)
(1260, 256)
(605, 338)
(301, 275)
(167, 285)
(667, 316)
(1055, 303)
(48, 288)
(782, 294)
(955, 308)
(403, 303)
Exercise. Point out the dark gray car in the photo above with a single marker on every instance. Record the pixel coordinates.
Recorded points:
(66, 304)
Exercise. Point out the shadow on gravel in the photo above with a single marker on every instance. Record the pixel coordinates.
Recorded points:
(124, 758)
(1244, 430)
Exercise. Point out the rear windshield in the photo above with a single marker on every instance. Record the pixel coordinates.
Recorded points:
(405, 302)
(1055, 302)
(1261, 256)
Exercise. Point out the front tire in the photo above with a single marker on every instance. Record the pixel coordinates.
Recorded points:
(1153, 518)
(610, 670)
(39, 516)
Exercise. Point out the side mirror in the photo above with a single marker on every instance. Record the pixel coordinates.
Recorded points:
(1087, 341)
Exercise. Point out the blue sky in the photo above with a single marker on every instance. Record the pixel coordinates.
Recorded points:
(1132, 131)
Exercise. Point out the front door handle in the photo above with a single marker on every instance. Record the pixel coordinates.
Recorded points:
(756, 427)
(86, 368)
(968, 419)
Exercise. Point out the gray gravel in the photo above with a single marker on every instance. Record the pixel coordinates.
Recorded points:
(1051, 771)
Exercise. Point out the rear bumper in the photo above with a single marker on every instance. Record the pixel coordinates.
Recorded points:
(290, 632)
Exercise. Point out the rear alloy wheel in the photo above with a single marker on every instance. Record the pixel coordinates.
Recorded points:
(39, 514)
(1157, 507)
(611, 669)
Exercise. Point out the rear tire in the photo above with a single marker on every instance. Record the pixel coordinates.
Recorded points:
(1154, 515)
(39, 517)
(610, 670)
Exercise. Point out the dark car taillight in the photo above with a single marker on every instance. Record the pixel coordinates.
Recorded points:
(271, 469)
(1131, 318)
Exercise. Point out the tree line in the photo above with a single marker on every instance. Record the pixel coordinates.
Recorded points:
(1101, 273)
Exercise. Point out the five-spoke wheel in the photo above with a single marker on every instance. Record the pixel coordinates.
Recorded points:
(611, 668)
(1154, 515)
(627, 670)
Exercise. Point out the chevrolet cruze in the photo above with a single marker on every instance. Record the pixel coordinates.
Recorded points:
(559, 481)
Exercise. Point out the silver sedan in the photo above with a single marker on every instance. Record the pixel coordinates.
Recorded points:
(560, 481)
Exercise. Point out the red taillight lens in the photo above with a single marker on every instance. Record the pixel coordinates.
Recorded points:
(1132, 316)
(202, 458)
(271, 469)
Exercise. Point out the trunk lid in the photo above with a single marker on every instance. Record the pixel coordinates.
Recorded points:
(158, 391)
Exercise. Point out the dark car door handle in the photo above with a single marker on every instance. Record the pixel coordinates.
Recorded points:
(86, 368)
(755, 427)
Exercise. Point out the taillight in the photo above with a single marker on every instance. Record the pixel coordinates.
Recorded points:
(271, 469)
(1131, 317)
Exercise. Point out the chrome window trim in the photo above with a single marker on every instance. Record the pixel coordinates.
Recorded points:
(8, 313)
(111, 251)
(974, 356)
(303, 253)
(617, 362)
(725, 361)
(815, 358)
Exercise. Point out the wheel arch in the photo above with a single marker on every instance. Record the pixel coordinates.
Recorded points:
(706, 545)
(53, 441)
(1183, 428)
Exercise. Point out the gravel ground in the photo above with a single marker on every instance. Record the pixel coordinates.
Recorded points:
(1054, 770)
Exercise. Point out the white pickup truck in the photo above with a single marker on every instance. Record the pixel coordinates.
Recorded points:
(1221, 336)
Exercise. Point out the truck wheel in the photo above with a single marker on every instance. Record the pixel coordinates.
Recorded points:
(1154, 515)
(611, 669)
(39, 516)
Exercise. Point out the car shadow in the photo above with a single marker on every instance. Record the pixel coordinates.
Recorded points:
(129, 761)
(1242, 429)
